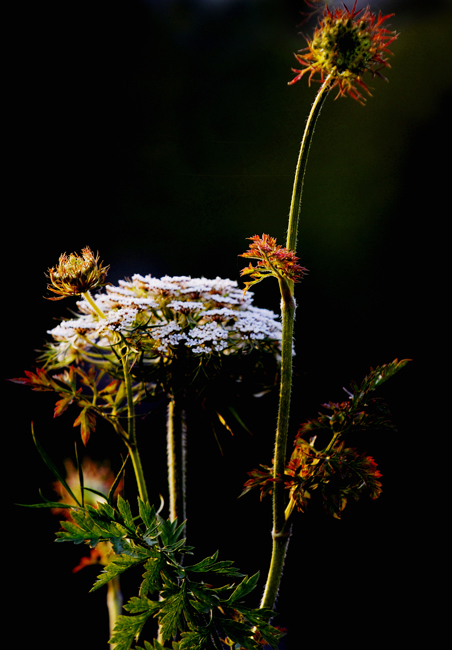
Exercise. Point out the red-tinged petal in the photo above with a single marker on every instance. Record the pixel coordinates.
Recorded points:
(345, 45)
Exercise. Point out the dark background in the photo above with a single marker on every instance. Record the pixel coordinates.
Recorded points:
(163, 134)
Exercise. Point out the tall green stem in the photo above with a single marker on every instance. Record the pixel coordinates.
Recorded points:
(281, 529)
(295, 205)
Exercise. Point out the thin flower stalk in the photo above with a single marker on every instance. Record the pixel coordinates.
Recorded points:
(346, 44)
(295, 204)
(130, 440)
(281, 531)
(76, 275)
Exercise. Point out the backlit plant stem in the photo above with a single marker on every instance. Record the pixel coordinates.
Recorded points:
(281, 529)
(114, 603)
(295, 205)
(130, 440)
(176, 434)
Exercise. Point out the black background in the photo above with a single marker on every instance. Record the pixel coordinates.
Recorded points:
(163, 134)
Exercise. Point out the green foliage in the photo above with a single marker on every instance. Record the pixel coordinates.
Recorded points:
(336, 471)
(191, 612)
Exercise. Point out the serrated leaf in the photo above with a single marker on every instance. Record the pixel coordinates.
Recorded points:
(194, 640)
(115, 567)
(147, 514)
(170, 531)
(151, 576)
(127, 629)
(258, 618)
(87, 422)
(103, 512)
(173, 614)
(211, 564)
(126, 512)
(240, 633)
(139, 604)
(61, 405)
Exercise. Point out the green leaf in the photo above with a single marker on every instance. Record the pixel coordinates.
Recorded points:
(127, 629)
(377, 377)
(211, 564)
(259, 618)
(81, 529)
(137, 605)
(240, 633)
(103, 512)
(151, 577)
(115, 567)
(126, 512)
(46, 504)
(239, 419)
(173, 609)
(147, 513)
(195, 640)
(243, 589)
(170, 532)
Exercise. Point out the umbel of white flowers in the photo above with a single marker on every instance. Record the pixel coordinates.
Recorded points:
(157, 318)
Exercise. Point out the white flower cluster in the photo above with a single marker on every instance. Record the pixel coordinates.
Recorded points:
(157, 316)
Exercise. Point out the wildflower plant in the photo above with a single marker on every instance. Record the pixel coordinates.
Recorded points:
(171, 338)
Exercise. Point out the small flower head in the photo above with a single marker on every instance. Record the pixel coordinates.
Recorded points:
(76, 274)
(272, 259)
(346, 44)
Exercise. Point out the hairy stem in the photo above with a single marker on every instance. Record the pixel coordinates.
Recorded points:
(281, 531)
(295, 205)
(176, 453)
(280, 536)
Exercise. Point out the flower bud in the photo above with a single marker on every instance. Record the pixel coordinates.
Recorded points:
(76, 274)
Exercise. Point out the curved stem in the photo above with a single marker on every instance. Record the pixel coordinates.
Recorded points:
(281, 530)
(295, 205)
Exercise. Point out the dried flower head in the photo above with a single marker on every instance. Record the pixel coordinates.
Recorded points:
(76, 274)
(272, 259)
(346, 44)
